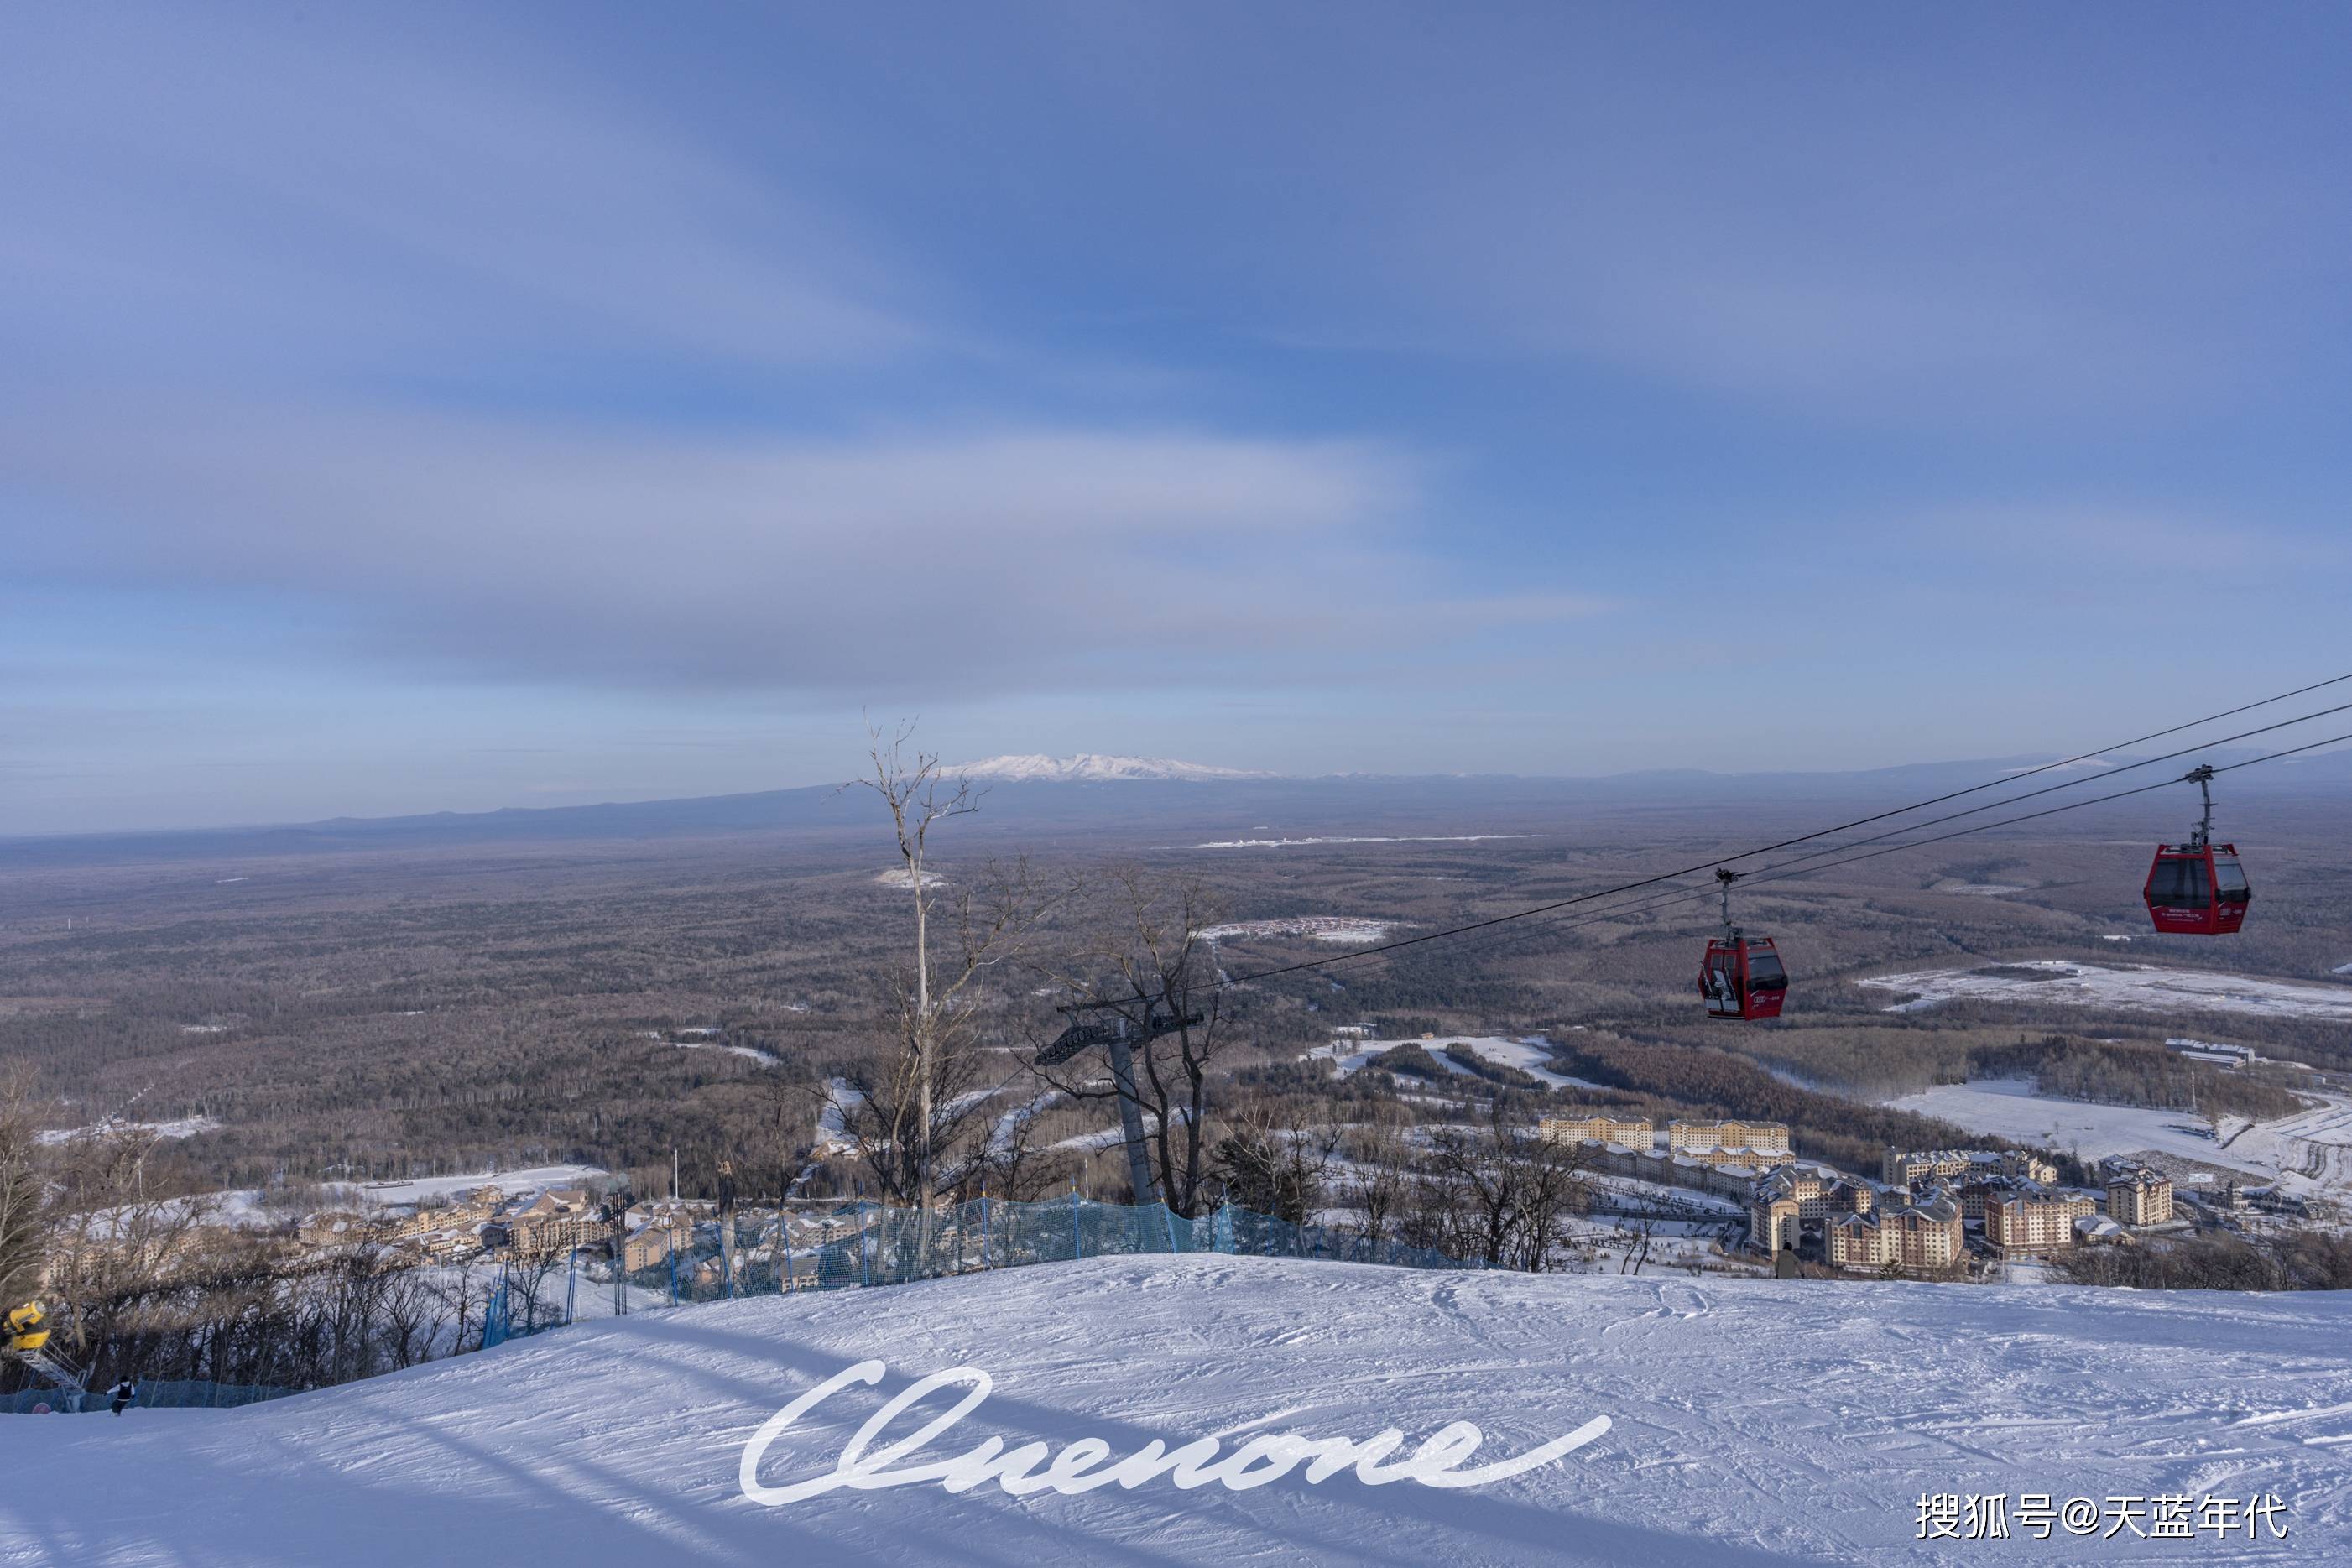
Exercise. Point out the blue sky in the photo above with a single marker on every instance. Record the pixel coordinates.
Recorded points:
(411, 408)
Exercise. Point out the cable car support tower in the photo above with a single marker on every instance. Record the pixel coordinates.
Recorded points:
(1118, 1035)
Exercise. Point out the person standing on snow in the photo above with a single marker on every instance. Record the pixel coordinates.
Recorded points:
(122, 1394)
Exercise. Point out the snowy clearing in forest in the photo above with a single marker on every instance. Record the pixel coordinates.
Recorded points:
(1352, 930)
(841, 1097)
(514, 1182)
(1754, 1424)
(1530, 1056)
(749, 1052)
(183, 1127)
(1407, 839)
(2137, 988)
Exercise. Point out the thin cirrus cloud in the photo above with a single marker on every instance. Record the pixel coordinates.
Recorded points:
(379, 380)
(1955, 217)
(265, 205)
(260, 279)
(1035, 558)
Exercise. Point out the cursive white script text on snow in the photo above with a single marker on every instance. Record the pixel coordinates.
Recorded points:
(1082, 1466)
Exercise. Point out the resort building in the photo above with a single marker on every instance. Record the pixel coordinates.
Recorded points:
(1908, 1167)
(1791, 1195)
(2139, 1195)
(1598, 1127)
(557, 1221)
(2029, 1221)
(1771, 1137)
(1923, 1238)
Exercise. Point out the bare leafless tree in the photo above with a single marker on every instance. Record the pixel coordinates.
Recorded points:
(1377, 1183)
(117, 1234)
(1012, 1164)
(1518, 1191)
(911, 785)
(26, 1216)
(911, 1114)
(530, 1282)
(1637, 1251)
(1279, 1166)
(414, 1312)
(462, 1293)
(1143, 961)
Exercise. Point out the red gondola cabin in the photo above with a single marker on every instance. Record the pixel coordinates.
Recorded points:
(2197, 889)
(1742, 978)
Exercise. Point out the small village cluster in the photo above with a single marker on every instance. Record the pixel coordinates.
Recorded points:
(1917, 1217)
(486, 1222)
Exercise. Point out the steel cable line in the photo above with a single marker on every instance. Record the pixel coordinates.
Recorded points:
(1806, 838)
(2050, 788)
(1785, 871)
(1762, 873)
(1795, 867)
(1776, 873)
(2050, 811)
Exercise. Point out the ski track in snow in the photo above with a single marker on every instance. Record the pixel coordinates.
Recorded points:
(1758, 1424)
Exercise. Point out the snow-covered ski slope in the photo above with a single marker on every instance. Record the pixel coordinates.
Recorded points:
(1754, 1423)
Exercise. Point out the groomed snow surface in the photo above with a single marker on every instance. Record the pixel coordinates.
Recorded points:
(2137, 989)
(1754, 1423)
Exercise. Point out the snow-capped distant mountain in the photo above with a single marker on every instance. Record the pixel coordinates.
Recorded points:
(1091, 766)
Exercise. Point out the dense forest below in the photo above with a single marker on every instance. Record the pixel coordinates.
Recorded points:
(411, 1012)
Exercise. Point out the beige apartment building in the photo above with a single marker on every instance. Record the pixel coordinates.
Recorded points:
(340, 1227)
(1728, 1173)
(1906, 1167)
(1770, 1137)
(2138, 1195)
(647, 1245)
(1598, 1127)
(1793, 1194)
(557, 1221)
(1921, 1238)
(2027, 1223)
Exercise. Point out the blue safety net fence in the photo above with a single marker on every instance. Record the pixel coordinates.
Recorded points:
(854, 1247)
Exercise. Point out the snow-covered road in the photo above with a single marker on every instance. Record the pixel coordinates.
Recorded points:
(1755, 1423)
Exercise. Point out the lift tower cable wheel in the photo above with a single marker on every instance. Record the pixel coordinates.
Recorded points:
(1118, 1035)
